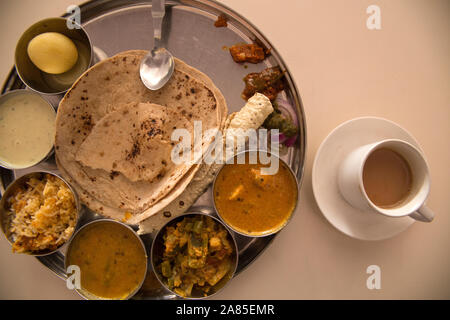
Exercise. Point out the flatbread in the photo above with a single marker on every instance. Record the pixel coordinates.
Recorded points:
(135, 141)
(99, 95)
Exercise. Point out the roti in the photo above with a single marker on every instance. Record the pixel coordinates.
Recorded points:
(118, 169)
(135, 141)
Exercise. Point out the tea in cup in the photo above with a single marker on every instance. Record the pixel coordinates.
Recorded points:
(389, 177)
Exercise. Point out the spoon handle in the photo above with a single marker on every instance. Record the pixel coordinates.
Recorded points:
(158, 11)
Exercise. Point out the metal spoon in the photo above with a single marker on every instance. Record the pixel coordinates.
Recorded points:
(157, 66)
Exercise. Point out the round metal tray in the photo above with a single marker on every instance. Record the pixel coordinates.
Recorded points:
(188, 29)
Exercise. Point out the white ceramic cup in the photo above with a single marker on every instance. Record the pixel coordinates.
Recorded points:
(350, 181)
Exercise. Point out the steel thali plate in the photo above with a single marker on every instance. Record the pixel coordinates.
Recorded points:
(189, 34)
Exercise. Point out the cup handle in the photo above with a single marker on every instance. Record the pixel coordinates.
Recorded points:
(423, 214)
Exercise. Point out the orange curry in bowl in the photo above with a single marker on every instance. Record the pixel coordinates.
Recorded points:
(252, 203)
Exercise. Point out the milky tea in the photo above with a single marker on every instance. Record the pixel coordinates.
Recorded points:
(387, 178)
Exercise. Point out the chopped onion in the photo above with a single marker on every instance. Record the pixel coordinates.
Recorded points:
(282, 138)
(286, 109)
(290, 141)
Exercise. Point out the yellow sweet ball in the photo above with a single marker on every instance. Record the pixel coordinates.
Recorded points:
(52, 52)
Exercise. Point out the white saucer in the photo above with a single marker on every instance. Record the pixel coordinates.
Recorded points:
(346, 218)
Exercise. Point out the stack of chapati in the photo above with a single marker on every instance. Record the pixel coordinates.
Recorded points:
(113, 135)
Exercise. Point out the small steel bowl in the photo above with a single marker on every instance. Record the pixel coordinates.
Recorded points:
(158, 249)
(241, 154)
(43, 82)
(83, 292)
(5, 218)
(14, 93)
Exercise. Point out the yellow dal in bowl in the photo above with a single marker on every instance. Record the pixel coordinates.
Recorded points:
(111, 259)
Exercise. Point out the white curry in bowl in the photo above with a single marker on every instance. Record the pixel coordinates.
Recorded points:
(27, 129)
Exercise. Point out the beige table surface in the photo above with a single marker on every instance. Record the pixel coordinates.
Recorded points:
(343, 71)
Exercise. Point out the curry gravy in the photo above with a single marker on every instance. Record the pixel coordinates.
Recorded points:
(252, 203)
(112, 260)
